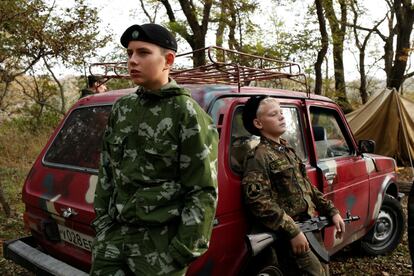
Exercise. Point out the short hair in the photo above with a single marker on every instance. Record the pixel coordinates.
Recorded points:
(266, 100)
(92, 79)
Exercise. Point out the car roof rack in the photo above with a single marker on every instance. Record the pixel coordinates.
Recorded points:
(223, 66)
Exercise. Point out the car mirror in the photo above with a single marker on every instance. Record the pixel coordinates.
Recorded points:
(366, 146)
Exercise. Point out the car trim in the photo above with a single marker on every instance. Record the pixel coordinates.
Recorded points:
(24, 253)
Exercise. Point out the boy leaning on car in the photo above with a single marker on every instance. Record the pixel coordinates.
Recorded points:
(277, 191)
(156, 194)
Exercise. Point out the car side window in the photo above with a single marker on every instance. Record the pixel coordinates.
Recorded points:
(242, 141)
(329, 136)
(78, 143)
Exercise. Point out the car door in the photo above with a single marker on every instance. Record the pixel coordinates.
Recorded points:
(342, 171)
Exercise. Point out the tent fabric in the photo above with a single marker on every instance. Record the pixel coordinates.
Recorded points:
(388, 119)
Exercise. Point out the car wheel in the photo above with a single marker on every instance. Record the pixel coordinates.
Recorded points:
(388, 230)
(410, 222)
(270, 271)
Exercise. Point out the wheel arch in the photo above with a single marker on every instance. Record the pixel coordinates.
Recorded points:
(391, 189)
(388, 187)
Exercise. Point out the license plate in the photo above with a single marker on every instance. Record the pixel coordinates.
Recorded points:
(76, 238)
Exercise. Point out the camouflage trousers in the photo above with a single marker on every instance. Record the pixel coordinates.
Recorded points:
(303, 264)
(125, 250)
(280, 255)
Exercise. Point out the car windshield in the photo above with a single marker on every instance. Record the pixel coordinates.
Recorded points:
(78, 144)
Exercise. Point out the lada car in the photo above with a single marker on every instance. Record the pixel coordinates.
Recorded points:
(59, 190)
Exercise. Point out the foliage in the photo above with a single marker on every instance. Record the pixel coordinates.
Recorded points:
(36, 35)
(31, 30)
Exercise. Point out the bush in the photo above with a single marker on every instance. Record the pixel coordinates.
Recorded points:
(34, 121)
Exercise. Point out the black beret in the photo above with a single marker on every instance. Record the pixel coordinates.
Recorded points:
(249, 113)
(152, 33)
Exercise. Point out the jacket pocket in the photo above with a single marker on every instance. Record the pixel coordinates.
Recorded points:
(116, 145)
(161, 161)
(282, 176)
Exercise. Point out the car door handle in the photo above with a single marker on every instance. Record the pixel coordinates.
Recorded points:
(330, 176)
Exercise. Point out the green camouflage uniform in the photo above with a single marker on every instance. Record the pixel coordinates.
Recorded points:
(156, 195)
(277, 192)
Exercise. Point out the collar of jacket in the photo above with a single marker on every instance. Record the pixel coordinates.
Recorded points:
(168, 90)
(282, 146)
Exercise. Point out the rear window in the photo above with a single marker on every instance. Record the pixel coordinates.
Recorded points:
(78, 143)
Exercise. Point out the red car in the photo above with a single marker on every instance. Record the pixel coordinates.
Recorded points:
(59, 190)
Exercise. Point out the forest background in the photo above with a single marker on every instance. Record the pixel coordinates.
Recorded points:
(348, 50)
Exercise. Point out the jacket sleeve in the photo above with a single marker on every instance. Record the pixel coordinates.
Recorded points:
(198, 173)
(261, 201)
(104, 186)
(323, 206)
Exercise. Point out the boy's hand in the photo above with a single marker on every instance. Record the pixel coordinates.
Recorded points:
(339, 225)
(300, 244)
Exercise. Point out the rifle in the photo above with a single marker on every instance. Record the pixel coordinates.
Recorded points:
(257, 242)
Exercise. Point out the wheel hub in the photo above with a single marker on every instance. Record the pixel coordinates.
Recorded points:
(384, 227)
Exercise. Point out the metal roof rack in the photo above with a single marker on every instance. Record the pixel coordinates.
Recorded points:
(223, 66)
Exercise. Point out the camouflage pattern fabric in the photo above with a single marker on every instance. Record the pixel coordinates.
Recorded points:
(123, 250)
(159, 169)
(277, 191)
(276, 188)
(303, 264)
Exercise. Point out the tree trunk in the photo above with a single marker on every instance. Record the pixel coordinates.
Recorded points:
(363, 76)
(322, 52)
(389, 48)
(338, 28)
(220, 30)
(3, 202)
(362, 47)
(199, 30)
(199, 58)
(404, 11)
(339, 72)
(233, 43)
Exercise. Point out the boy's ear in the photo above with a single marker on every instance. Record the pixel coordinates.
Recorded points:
(169, 59)
(257, 123)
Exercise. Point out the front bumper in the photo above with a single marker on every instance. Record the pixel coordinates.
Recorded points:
(25, 253)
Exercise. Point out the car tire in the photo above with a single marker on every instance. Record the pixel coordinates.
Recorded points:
(388, 230)
(410, 223)
(270, 271)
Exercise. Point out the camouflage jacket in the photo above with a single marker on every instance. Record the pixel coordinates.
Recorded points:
(159, 166)
(277, 190)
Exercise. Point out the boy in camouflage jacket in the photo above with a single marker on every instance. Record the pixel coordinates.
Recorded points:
(156, 195)
(277, 190)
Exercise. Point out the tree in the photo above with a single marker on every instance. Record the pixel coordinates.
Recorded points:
(151, 15)
(228, 15)
(338, 32)
(36, 36)
(399, 34)
(362, 46)
(193, 14)
(324, 46)
(404, 13)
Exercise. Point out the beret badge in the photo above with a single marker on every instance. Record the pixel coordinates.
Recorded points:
(135, 34)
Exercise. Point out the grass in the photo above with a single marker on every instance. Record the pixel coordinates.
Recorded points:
(20, 144)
